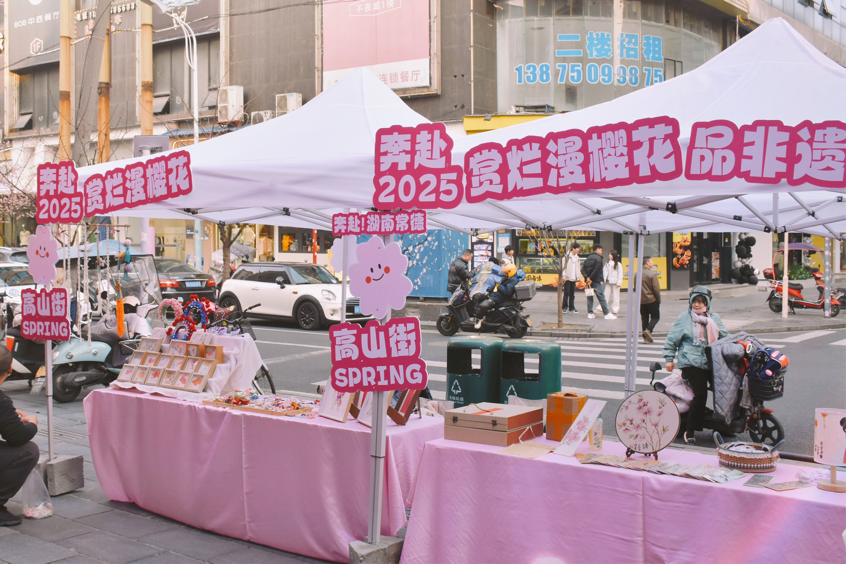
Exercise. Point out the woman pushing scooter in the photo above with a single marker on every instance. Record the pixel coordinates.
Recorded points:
(692, 332)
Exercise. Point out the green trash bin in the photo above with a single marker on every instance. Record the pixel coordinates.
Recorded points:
(516, 380)
(472, 380)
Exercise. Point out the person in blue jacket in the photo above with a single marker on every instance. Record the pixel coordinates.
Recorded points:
(502, 291)
(693, 331)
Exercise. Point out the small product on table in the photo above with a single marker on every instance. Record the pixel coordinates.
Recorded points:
(247, 400)
(748, 457)
(493, 424)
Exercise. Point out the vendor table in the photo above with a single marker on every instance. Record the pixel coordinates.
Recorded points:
(296, 484)
(474, 505)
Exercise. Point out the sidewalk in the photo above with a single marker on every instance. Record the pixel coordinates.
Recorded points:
(747, 312)
(88, 528)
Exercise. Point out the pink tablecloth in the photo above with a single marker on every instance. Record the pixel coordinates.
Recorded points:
(473, 505)
(300, 485)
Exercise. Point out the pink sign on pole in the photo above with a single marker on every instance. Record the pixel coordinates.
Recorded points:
(42, 252)
(414, 169)
(376, 223)
(378, 277)
(59, 199)
(377, 358)
(44, 314)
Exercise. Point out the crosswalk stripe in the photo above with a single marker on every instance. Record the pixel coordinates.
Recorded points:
(841, 343)
(440, 396)
(804, 336)
(640, 357)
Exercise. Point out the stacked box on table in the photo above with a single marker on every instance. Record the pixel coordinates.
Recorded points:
(562, 408)
(493, 424)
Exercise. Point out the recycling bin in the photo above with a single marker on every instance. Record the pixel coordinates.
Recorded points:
(516, 380)
(473, 365)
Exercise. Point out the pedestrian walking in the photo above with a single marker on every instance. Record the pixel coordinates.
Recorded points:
(18, 454)
(508, 257)
(650, 300)
(592, 271)
(458, 272)
(572, 266)
(612, 276)
(694, 330)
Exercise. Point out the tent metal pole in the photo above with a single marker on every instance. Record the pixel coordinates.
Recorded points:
(577, 220)
(448, 226)
(802, 227)
(521, 217)
(705, 216)
(377, 451)
(827, 266)
(345, 245)
(758, 214)
(623, 225)
(633, 373)
(630, 317)
(785, 283)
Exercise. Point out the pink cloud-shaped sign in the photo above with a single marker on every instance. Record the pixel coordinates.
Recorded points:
(43, 252)
(378, 277)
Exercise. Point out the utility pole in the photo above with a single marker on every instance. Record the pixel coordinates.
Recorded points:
(65, 74)
(146, 68)
(103, 102)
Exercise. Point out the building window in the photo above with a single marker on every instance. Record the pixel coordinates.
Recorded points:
(172, 77)
(672, 68)
(38, 99)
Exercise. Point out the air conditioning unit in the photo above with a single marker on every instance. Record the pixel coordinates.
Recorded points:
(230, 103)
(287, 103)
(260, 117)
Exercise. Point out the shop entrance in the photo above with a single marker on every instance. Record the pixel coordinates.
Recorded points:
(706, 262)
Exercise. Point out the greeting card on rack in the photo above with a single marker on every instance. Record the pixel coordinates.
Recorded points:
(579, 428)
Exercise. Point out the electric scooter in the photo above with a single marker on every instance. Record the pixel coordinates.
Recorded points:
(507, 318)
(795, 299)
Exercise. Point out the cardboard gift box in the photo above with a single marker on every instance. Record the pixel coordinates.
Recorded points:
(562, 408)
(493, 424)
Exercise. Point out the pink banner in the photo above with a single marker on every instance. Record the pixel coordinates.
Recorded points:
(59, 199)
(45, 314)
(378, 358)
(375, 223)
(414, 169)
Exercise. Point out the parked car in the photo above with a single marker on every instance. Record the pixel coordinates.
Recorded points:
(14, 277)
(13, 254)
(307, 293)
(180, 281)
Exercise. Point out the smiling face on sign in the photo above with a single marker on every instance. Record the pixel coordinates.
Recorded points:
(43, 252)
(378, 277)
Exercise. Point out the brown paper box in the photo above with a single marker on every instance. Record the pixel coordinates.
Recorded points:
(495, 438)
(562, 408)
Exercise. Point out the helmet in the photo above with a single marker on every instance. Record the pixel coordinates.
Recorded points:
(701, 290)
(509, 270)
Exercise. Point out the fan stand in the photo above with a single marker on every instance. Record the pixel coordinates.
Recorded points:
(630, 452)
(832, 484)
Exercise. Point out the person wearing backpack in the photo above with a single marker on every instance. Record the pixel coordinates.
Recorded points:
(18, 454)
(592, 271)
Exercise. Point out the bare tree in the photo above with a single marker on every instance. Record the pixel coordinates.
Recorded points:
(228, 235)
(552, 245)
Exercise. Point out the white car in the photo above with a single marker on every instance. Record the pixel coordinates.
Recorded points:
(14, 277)
(307, 293)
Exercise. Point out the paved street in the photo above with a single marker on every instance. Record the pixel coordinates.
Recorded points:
(300, 360)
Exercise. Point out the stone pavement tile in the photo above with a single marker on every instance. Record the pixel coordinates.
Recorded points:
(128, 507)
(311, 560)
(80, 559)
(72, 507)
(167, 558)
(88, 471)
(124, 524)
(24, 549)
(257, 556)
(109, 548)
(92, 492)
(52, 529)
(70, 449)
(191, 542)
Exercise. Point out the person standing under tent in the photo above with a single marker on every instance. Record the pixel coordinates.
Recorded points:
(18, 454)
(650, 300)
(694, 330)
(612, 275)
(592, 271)
(571, 276)
(458, 272)
(508, 257)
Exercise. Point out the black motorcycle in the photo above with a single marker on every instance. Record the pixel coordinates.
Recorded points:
(762, 425)
(506, 318)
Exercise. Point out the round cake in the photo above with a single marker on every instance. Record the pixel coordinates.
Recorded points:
(747, 457)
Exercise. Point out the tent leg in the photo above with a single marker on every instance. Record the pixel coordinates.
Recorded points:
(639, 282)
(827, 266)
(785, 283)
(48, 361)
(631, 320)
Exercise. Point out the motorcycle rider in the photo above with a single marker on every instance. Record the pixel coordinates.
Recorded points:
(693, 331)
(500, 293)
(458, 272)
